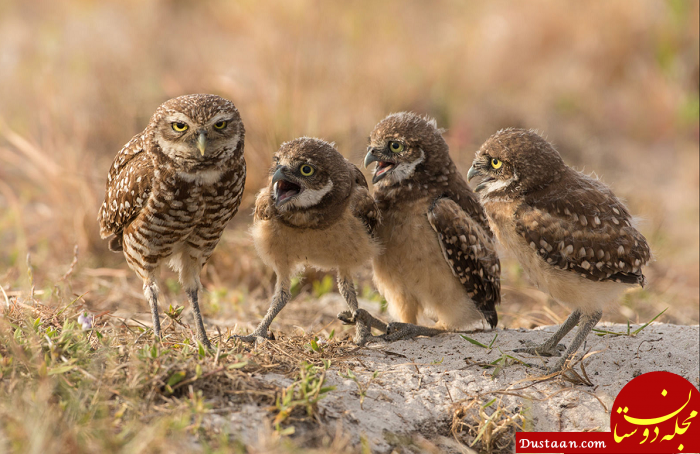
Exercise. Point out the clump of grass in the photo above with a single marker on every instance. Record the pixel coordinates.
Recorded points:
(111, 387)
(486, 427)
(304, 394)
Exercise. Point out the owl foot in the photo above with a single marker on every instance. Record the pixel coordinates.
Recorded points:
(397, 331)
(348, 317)
(352, 317)
(364, 322)
(254, 338)
(541, 349)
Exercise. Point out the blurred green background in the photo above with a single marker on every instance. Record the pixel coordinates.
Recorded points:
(614, 84)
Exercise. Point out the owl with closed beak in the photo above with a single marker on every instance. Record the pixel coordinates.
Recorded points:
(573, 237)
(438, 256)
(171, 191)
(316, 211)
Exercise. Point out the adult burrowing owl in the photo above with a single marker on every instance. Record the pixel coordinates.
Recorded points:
(316, 211)
(572, 236)
(171, 191)
(438, 257)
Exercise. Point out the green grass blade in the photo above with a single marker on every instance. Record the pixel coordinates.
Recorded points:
(473, 341)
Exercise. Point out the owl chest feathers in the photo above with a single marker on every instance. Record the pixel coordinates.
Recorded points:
(412, 270)
(344, 245)
(193, 197)
(182, 216)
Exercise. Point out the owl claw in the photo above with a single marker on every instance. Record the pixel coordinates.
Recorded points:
(398, 331)
(540, 349)
(348, 317)
(254, 338)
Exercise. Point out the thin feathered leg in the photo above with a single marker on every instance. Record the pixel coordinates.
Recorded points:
(189, 278)
(279, 300)
(150, 290)
(363, 320)
(551, 346)
(588, 321)
(201, 332)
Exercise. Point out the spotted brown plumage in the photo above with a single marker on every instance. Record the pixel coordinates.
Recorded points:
(171, 191)
(470, 254)
(438, 257)
(591, 235)
(574, 238)
(316, 211)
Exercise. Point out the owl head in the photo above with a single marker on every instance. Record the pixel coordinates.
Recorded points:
(406, 147)
(198, 129)
(309, 174)
(515, 162)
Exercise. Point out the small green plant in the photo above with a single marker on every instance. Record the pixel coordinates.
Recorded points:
(305, 393)
(361, 387)
(174, 312)
(502, 362)
(479, 344)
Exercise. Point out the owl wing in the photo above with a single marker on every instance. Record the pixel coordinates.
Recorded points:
(364, 207)
(128, 189)
(585, 230)
(471, 254)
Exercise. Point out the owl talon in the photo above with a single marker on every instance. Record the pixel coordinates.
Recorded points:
(398, 331)
(348, 317)
(254, 338)
(540, 349)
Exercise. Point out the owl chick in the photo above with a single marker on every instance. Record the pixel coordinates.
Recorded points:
(316, 211)
(439, 257)
(572, 236)
(171, 191)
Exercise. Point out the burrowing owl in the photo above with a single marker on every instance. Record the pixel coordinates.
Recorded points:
(316, 211)
(572, 236)
(171, 191)
(439, 258)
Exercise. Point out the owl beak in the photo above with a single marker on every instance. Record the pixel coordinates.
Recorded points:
(473, 171)
(283, 189)
(279, 174)
(371, 157)
(202, 142)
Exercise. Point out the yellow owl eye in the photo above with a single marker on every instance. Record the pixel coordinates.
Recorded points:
(396, 147)
(496, 163)
(220, 124)
(306, 170)
(180, 126)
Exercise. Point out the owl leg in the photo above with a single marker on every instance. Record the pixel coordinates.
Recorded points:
(281, 298)
(398, 331)
(551, 346)
(363, 320)
(193, 295)
(588, 321)
(189, 278)
(150, 290)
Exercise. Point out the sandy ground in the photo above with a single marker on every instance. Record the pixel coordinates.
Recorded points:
(420, 383)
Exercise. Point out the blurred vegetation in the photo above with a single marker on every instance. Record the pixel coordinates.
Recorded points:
(614, 85)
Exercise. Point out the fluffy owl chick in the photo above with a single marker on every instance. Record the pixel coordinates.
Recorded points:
(572, 236)
(439, 257)
(171, 191)
(316, 211)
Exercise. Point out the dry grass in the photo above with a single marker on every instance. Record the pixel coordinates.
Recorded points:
(614, 86)
(110, 389)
